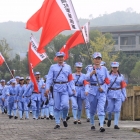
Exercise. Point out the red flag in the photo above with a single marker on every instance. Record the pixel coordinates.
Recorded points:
(85, 31)
(54, 16)
(35, 22)
(1, 59)
(74, 40)
(34, 57)
(33, 79)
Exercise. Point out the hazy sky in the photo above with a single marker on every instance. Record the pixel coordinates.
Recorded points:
(22, 10)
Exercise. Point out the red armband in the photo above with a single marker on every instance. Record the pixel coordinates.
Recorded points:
(123, 84)
(107, 81)
(86, 83)
(70, 77)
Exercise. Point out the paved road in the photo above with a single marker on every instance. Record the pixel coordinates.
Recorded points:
(43, 130)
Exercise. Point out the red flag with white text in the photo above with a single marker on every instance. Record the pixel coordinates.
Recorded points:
(1, 59)
(34, 57)
(76, 39)
(85, 31)
(54, 16)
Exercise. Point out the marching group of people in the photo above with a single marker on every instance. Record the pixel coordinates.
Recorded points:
(101, 91)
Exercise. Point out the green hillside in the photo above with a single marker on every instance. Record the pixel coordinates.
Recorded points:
(18, 37)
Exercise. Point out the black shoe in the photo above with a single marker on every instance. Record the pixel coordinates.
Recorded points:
(47, 118)
(109, 123)
(75, 122)
(116, 127)
(42, 117)
(34, 118)
(79, 122)
(65, 124)
(5, 111)
(67, 118)
(88, 120)
(102, 129)
(10, 117)
(26, 118)
(51, 117)
(93, 128)
(2, 112)
(15, 117)
(57, 127)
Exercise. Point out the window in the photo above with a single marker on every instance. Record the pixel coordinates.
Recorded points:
(116, 40)
(131, 40)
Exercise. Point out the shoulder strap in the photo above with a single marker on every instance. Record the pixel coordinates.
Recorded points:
(77, 79)
(113, 83)
(97, 78)
(2, 89)
(59, 73)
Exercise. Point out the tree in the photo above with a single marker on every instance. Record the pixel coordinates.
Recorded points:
(127, 64)
(102, 43)
(5, 50)
(136, 71)
(43, 67)
(57, 43)
(135, 74)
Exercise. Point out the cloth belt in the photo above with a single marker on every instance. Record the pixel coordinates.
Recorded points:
(28, 96)
(60, 82)
(79, 85)
(36, 92)
(12, 94)
(114, 88)
(96, 84)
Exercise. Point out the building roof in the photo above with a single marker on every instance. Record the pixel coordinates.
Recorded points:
(117, 29)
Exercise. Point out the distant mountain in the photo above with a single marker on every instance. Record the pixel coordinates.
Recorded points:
(18, 37)
(117, 18)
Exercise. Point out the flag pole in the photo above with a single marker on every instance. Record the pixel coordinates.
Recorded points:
(50, 60)
(8, 68)
(81, 58)
(91, 63)
(88, 53)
